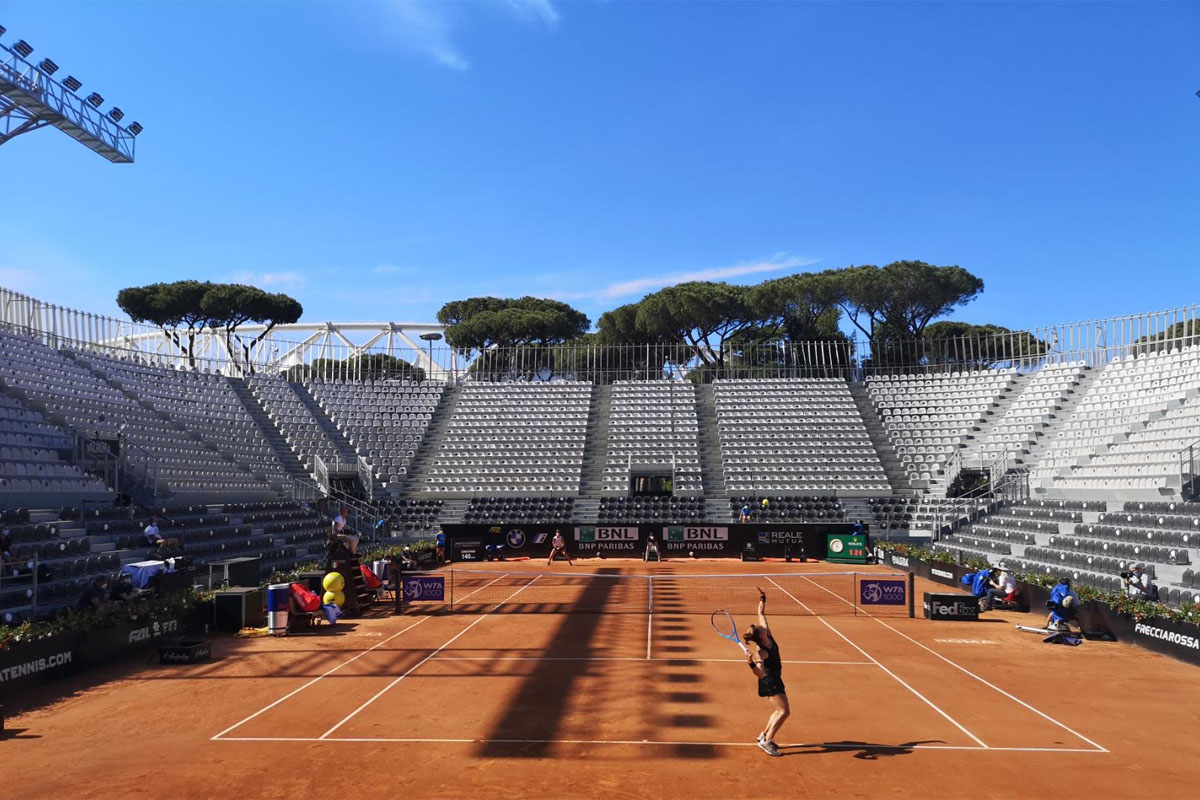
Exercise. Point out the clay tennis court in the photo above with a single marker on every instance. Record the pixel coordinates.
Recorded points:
(512, 700)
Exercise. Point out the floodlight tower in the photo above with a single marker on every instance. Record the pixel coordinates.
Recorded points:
(30, 99)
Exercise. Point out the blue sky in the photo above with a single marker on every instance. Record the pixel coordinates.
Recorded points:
(376, 159)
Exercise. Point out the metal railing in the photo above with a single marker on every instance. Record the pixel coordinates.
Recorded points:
(1189, 471)
(386, 351)
(366, 476)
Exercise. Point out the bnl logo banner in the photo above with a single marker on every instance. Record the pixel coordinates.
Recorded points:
(684, 537)
(599, 537)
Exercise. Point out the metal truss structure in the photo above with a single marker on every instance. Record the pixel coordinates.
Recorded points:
(31, 99)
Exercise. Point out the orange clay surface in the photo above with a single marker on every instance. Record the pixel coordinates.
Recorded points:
(480, 706)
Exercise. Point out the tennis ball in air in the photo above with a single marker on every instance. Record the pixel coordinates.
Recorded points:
(334, 582)
(335, 598)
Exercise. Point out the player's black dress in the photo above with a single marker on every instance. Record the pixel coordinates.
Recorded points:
(772, 683)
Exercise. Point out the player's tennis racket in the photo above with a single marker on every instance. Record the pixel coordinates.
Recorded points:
(726, 628)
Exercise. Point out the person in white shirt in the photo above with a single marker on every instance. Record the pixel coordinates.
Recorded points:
(1003, 587)
(1138, 584)
(156, 539)
(343, 534)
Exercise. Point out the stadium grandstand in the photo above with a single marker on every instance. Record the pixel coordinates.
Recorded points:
(1080, 461)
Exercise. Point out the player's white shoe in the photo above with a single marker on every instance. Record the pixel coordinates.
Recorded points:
(768, 747)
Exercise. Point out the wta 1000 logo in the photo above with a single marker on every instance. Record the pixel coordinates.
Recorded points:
(883, 593)
(424, 587)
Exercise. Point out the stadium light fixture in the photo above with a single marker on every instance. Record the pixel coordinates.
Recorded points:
(23, 49)
(430, 337)
(72, 83)
(95, 99)
(116, 114)
(47, 66)
(135, 128)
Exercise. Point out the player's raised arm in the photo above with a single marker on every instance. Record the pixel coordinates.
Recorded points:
(762, 608)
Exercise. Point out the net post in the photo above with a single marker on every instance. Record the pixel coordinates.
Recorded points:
(650, 599)
(854, 591)
(911, 594)
(451, 591)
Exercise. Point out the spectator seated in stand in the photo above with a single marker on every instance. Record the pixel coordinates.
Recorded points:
(95, 596)
(1137, 584)
(157, 540)
(1002, 589)
(5, 547)
(744, 514)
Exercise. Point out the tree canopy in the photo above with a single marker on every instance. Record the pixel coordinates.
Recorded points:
(479, 323)
(194, 306)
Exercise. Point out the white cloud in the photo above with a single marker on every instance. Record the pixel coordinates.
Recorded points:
(270, 280)
(637, 286)
(535, 9)
(385, 269)
(427, 26)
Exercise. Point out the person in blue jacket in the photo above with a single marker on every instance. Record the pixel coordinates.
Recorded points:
(1063, 605)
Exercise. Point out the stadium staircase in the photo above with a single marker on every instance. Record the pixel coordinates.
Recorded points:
(896, 476)
(1033, 455)
(708, 442)
(415, 483)
(345, 449)
(595, 446)
(283, 451)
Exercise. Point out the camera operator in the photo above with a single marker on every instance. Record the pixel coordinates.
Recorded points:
(1138, 584)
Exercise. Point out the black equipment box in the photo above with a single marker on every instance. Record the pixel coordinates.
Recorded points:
(234, 609)
(237, 571)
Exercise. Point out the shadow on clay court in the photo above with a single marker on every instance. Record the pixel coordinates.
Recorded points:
(17, 733)
(867, 751)
(537, 708)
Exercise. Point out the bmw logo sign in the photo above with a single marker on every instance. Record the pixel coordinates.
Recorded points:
(516, 538)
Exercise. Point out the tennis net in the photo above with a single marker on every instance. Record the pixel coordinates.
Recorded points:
(799, 594)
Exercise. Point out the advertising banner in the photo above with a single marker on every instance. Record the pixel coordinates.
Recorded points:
(620, 541)
(424, 588)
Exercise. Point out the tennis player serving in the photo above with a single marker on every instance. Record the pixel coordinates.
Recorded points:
(559, 545)
(765, 662)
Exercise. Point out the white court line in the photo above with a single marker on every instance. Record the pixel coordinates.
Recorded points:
(410, 670)
(648, 742)
(991, 685)
(330, 672)
(649, 633)
(984, 681)
(639, 658)
(897, 678)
